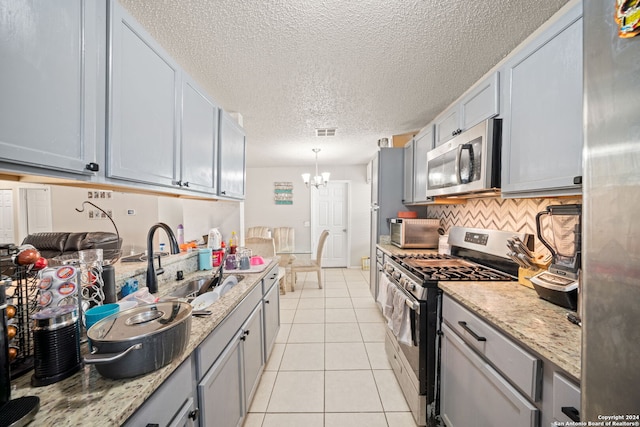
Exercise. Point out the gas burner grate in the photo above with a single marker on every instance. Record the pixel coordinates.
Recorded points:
(459, 273)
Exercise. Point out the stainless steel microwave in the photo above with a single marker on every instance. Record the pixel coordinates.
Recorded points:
(468, 163)
(415, 233)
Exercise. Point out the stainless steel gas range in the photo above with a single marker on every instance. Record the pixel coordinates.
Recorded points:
(411, 301)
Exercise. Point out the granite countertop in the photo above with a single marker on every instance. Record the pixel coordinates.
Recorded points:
(516, 310)
(86, 398)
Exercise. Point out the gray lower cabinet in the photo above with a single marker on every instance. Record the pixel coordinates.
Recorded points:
(142, 122)
(221, 391)
(252, 352)
(566, 399)
(542, 126)
(173, 404)
(232, 158)
(479, 103)
(271, 301)
(199, 141)
(227, 388)
(50, 75)
(474, 394)
(487, 379)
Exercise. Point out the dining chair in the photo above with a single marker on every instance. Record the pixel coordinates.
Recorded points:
(258, 232)
(310, 265)
(266, 248)
(285, 239)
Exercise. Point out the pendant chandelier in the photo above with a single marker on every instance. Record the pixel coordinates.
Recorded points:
(318, 179)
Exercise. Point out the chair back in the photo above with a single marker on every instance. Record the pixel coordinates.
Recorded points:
(284, 239)
(321, 241)
(264, 247)
(258, 232)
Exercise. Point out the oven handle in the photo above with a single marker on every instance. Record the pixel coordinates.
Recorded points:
(410, 301)
(413, 305)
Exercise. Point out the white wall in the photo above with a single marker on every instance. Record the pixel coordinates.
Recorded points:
(197, 216)
(260, 208)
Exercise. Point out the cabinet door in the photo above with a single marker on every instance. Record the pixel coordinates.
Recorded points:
(542, 132)
(566, 399)
(221, 391)
(481, 103)
(407, 187)
(232, 158)
(423, 143)
(168, 401)
(447, 124)
(474, 394)
(199, 142)
(143, 121)
(271, 318)
(49, 83)
(186, 416)
(252, 351)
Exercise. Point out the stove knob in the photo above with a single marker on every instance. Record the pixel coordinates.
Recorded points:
(413, 287)
(403, 282)
(396, 275)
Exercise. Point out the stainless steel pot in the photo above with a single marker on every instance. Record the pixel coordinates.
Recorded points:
(139, 340)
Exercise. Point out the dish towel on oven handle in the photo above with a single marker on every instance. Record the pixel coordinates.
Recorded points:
(401, 319)
(385, 296)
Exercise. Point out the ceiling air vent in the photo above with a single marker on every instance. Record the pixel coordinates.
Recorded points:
(326, 132)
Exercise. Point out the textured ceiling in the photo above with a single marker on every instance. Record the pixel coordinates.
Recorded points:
(370, 68)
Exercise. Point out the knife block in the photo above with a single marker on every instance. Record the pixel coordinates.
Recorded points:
(524, 274)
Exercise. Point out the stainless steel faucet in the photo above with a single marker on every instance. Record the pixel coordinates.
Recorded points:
(152, 273)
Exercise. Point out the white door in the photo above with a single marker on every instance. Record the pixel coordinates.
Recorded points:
(38, 210)
(330, 211)
(6, 216)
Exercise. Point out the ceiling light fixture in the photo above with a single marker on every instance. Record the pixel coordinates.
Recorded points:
(318, 179)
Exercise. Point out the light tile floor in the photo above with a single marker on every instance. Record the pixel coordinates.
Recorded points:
(328, 366)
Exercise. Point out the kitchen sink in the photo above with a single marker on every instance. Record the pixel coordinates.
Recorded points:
(192, 288)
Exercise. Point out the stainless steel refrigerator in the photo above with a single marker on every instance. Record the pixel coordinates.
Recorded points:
(611, 206)
(386, 200)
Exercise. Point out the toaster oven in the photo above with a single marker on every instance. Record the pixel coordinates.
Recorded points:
(414, 233)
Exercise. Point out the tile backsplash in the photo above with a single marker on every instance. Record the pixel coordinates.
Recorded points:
(496, 213)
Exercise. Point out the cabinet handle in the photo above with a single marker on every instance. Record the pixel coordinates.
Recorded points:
(194, 414)
(571, 412)
(93, 167)
(473, 334)
(577, 180)
(185, 184)
(267, 301)
(246, 332)
(153, 425)
(223, 192)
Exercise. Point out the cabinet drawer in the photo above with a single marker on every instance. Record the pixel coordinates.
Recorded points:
(212, 346)
(520, 367)
(168, 400)
(565, 395)
(269, 279)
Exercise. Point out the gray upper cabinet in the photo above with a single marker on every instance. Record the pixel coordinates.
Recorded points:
(422, 144)
(481, 102)
(542, 127)
(407, 184)
(231, 164)
(199, 142)
(142, 121)
(49, 84)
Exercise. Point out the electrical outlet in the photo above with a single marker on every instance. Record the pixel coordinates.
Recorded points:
(131, 211)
